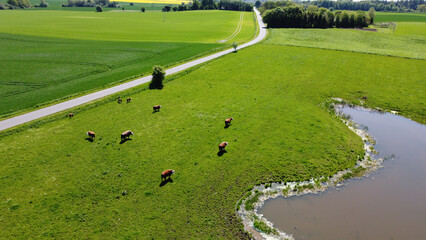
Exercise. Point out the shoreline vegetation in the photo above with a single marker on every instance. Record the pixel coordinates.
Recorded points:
(253, 200)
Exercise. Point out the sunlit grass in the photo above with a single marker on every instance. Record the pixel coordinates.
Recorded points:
(400, 17)
(56, 183)
(188, 26)
(408, 40)
(68, 52)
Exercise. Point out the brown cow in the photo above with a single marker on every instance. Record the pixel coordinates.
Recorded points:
(119, 100)
(222, 146)
(129, 99)
(91, 135)
(126, 134)
(70, 115)
(156, 108)
(167, 173)
(228, 122)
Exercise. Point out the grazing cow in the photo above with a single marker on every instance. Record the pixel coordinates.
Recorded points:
(129, 99)
(222, 146)
(126, 134)
(228, 122)
(156, 108)
(167, 173)
(119, 100)
(70, 115)
(91, 135)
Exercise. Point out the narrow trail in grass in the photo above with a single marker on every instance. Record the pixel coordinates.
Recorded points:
(31, 116)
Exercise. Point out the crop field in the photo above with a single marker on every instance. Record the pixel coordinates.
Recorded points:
(56, 59)
(55, 183)
(400, 17)
(408, 40)
(189, 26)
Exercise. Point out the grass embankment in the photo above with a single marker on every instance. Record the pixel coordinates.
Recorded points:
(55, 183)
(61, 59)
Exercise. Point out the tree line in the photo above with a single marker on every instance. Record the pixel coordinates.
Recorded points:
(15, 4)
(382, 6)
(91, 3)
(234, 5)
(296, 16)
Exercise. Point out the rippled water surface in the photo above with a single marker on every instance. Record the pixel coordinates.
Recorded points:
(390, 204)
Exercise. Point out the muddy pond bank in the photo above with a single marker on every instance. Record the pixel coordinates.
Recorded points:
(389, 204)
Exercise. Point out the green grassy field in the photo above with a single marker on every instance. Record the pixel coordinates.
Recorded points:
(190, 26)
(56, 59)
(56, 184)
(400, 17)
(408, 40)
(57, 5)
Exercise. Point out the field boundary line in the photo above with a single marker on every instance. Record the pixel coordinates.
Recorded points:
(43, 112)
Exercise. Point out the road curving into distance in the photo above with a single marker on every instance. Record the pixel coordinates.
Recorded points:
(31, 116)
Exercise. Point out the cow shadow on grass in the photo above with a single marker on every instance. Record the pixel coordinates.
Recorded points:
(226, 126)
(164, 182)
(221, 152)
(89, 139)
(125, 140)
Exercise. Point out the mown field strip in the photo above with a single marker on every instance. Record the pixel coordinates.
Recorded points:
(24, 118)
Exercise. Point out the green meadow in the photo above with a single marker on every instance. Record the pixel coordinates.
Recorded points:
(51, 55)
(408, 40)
(400, 17)
(189, 26)
(55, 183)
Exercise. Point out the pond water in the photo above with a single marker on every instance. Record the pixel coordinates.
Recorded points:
(389, 204)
